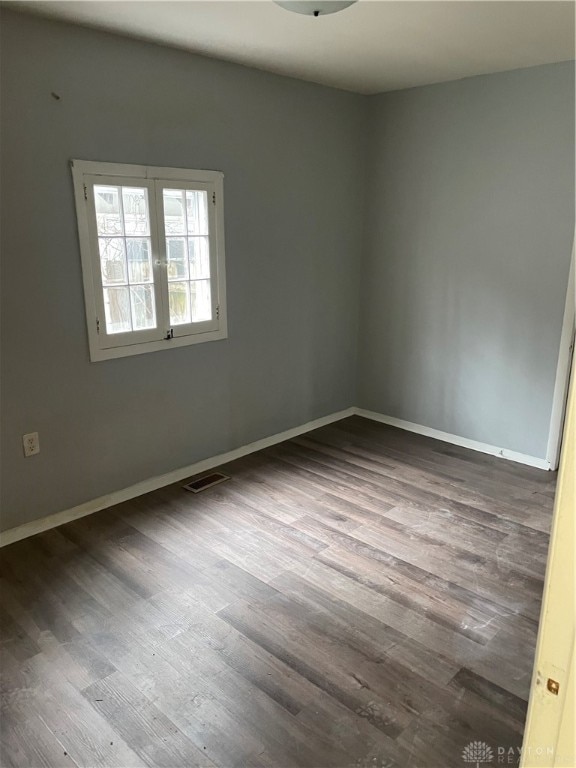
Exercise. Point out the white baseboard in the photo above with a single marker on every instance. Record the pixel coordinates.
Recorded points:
(153, 483)
(464, 442)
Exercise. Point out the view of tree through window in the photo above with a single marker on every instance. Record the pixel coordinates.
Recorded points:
(188, 255)
(123, 224)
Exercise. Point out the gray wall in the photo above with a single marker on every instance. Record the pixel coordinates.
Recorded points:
(292, 157)
(470, 231)
(461, 255)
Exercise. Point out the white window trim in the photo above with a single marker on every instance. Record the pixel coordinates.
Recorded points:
(86, 168)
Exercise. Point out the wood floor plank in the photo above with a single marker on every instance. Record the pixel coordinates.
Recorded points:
(152, 735)
(82, 733)
(310, 656)
(358, 597)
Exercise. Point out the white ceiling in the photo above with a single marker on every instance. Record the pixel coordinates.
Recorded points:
(373, 46)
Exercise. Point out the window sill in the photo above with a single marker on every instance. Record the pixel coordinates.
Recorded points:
(127, 350)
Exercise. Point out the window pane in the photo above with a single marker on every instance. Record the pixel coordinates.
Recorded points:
(174, 219)
(177, 261)
(199, 252)
(117, 308)
(143, 313)
(108, 215)
(112, 260)
(179, 301)
(135, 204)
(138, 251)
(201, 301)
(197, 212)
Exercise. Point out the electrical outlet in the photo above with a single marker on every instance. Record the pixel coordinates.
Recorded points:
(31, 443)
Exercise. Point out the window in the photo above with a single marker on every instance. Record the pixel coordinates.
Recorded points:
(152, 245)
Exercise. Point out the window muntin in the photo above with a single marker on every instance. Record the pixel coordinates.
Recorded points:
(125, 250)
(187, 231)
(155, 253)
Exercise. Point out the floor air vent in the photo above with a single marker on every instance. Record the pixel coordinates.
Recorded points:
(205, 482)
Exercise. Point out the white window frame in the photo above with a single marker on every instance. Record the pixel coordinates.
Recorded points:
(103, 346)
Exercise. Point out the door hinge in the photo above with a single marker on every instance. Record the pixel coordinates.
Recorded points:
(214, 197)
(169, 334)
(218, 312)
(85, 192)
(97, 325)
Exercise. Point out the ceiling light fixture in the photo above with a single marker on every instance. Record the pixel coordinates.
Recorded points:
(315, 7)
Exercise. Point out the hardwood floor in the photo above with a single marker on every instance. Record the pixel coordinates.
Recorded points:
(359, 596)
